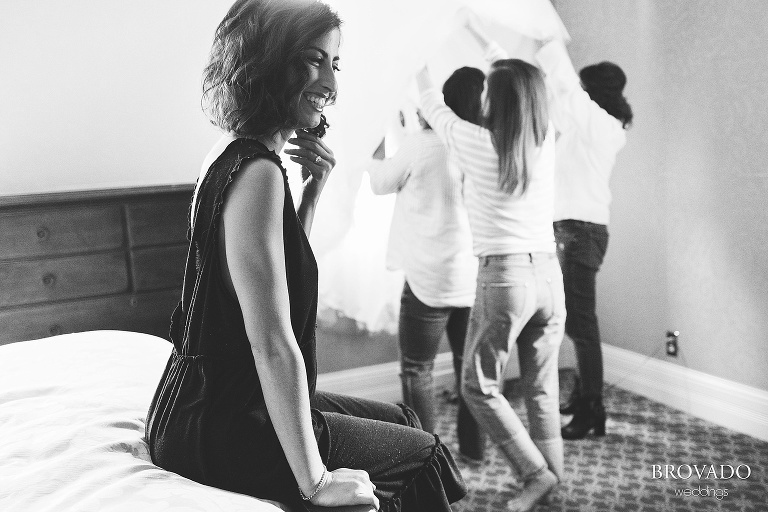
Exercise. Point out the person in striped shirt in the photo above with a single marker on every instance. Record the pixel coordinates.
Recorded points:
(430, 242)
(509, 165)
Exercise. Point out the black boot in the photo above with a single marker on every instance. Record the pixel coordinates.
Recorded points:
(589, 415)
(569, 407)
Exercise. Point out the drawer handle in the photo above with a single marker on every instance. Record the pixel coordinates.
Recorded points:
(49, 279)
(55, 330)
(43, 233)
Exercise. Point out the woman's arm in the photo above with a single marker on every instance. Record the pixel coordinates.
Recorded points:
(441, 118)
(472, 24)
(571, 107)
(252, 228)
(424, 81)
(314, 174)
(491, 51)
(460, 137)
(391, 174)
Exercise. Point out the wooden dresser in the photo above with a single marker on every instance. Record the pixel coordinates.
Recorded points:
(79, 261)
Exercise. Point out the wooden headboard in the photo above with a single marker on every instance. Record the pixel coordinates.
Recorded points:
(80, 261)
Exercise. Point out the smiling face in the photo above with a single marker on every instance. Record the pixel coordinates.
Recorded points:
(322, 59)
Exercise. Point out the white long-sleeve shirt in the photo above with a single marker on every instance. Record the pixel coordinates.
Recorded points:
(589, 140)
(429, 237)
(501, 223)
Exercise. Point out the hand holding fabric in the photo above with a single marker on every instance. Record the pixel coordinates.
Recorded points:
(424, 79)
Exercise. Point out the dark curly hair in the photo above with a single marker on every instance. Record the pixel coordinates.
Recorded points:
(604, 82)
(256, 69)
(462, 93)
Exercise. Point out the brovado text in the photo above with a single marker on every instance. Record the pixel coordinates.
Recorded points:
(703, 472)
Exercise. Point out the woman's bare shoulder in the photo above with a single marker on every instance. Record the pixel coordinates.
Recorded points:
(259, 176)
(257, 191)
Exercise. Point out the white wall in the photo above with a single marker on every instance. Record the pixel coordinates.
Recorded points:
(102, 94)
(689, 231)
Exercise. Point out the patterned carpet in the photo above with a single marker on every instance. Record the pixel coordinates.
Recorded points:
(616, 472)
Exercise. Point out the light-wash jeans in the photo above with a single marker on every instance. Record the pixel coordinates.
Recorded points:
(520, 299)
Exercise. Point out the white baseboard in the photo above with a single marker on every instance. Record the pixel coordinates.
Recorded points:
(381, 381)
(723, 402)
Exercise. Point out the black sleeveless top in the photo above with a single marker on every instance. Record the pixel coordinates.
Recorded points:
(208, 420)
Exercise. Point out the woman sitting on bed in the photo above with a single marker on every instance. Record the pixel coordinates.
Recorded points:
(236, 407)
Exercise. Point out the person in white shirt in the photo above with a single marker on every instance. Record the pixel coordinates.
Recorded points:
(591, 115)
(508, 164)
(430, 241)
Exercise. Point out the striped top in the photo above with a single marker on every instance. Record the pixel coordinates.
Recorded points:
(429, 238)
(501, 223)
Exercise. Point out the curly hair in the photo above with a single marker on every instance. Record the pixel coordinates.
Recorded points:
(256, 69)
(462, 93)
(604, 82)
(517, 117)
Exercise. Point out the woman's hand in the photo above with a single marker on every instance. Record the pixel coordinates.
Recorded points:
(541, 43)
(472, 23)
(423, 79)
(467, 18)
(316, 160)
(346, 487)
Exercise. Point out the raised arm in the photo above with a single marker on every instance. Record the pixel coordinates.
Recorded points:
(391, 174)
(252, 231)
(571, 107)
(441, 118)
(433, 108)
(473, 26)
(491, 51)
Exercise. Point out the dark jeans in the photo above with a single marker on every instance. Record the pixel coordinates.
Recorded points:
(581, 248)
(420, 330)
(412, 469)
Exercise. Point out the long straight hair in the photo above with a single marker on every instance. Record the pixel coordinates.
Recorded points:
(517, 117)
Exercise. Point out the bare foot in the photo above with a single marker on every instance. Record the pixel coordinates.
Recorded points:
(534, 490)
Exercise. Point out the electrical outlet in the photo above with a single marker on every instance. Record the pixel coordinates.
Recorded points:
(672, 348)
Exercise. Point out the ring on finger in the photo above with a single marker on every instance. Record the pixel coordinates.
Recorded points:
(317, 159)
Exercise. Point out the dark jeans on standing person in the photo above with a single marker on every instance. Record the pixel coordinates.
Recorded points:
(420, 331)
(581, 247)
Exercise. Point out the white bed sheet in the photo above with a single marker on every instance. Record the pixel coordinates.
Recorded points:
(72, 412)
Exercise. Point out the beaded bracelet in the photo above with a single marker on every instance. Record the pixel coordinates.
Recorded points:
(317, 488)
